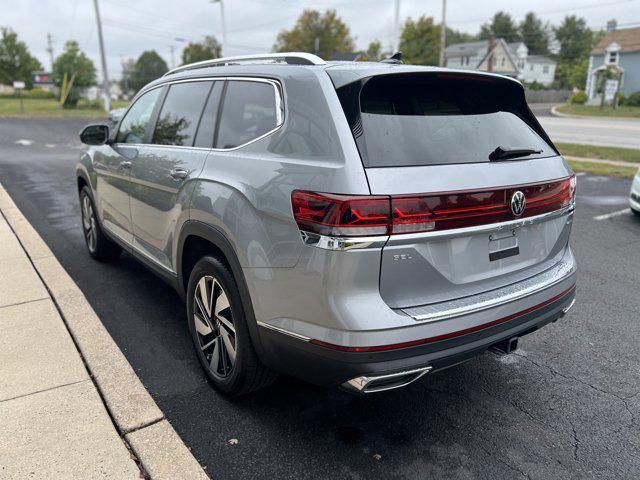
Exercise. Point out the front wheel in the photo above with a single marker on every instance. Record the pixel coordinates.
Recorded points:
(219, 331)
(99, 246)
(635, 212)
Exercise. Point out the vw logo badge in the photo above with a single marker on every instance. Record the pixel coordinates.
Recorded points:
(518, 203)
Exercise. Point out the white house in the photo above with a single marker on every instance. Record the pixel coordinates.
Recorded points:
(496, 55)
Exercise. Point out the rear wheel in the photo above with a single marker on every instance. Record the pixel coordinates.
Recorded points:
(219, 331)
(99, 246)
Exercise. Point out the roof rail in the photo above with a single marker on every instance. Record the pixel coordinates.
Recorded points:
(292, 58)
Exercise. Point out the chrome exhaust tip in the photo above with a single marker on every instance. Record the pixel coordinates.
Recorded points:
(380, 383)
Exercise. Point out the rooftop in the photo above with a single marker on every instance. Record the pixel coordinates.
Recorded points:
(627, 38)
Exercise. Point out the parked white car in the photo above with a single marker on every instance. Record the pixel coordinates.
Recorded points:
(634, 200)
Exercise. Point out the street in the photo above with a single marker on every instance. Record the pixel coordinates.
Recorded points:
(565, 405)
(612, 132)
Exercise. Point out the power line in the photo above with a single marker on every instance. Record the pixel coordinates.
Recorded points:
(548, 12)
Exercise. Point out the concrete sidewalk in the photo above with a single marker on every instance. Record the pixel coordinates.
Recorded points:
(53, 423)
(70, 404)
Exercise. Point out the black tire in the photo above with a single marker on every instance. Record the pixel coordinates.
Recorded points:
(635, 212)
(245, 372)
(99, 246)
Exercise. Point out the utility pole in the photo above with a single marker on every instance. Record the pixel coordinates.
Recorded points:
(50, 49)
(173, 57)
(396, 28)
(223, 47)
(105, 75)
(443, 32)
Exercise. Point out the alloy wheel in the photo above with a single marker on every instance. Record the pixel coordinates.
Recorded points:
(213, 321)
(89, 223)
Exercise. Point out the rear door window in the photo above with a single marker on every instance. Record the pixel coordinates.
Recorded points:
(133, 126)
(411, 120)
(207, 127)
(249, 110)
(180, 114)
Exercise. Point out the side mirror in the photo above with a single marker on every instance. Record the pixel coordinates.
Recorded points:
(95, 134)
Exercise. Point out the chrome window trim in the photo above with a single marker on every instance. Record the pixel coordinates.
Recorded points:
(342, 244)
(279, 99)
(487, 300)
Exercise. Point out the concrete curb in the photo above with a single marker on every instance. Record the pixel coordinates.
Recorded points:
(556, 113)
(616, 163)
(137, 417)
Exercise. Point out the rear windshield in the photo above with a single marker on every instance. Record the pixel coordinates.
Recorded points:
(429, 119)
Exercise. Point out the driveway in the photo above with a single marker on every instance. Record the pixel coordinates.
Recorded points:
(565, 405)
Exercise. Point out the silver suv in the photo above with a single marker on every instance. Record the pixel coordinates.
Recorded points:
(351, 224)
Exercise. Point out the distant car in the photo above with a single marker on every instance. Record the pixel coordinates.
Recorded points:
(354, 224)
(116, 114)
(634, 201)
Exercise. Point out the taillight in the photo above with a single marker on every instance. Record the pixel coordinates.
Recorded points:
(347, 215)
(341, 215)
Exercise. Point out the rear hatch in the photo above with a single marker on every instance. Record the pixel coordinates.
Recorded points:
(457, 152)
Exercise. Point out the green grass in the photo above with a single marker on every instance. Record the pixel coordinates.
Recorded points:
(10, 107)
(603, 169)
(602, 153)
(588, 110)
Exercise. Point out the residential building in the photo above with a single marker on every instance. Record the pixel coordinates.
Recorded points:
(618, 51)
(496, 55)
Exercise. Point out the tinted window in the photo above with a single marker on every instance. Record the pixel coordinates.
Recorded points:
(408, 120)
(180, 113)
(134, 124)
(248, 111)
(204, 137)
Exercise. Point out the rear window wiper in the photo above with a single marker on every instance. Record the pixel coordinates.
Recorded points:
(502, 153)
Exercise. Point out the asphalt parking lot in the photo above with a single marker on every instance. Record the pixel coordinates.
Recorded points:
(565, 405)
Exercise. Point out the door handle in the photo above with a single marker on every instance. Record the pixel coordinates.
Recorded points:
(179, 173)
(124, 165)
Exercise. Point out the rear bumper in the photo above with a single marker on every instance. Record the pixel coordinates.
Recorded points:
(634, 200)
(323, 365)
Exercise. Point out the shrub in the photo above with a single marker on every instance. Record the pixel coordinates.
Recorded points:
(622, 99)
(84, 103)
(578, 98)
(633, 100)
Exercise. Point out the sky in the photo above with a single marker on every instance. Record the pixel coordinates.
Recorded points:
(133, 26)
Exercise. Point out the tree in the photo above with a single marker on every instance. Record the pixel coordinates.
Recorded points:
(374, 52)
(456, 36)
(501, 26)
(323, 35)
(16, 63)
(76, 65)
(420, 41)
(533, 34)
(206, 50)
(575, 39)
(148, 67)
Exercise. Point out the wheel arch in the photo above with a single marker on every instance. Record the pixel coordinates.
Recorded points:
(198, 239)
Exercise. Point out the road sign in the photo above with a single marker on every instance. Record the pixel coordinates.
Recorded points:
(610, 90)
(19, 85)
(42, 78)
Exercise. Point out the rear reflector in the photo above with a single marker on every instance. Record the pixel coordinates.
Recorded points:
(446, 336)
(342, 215)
